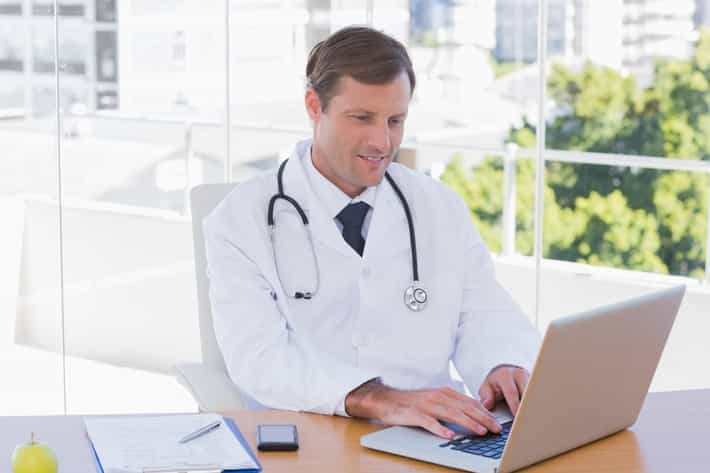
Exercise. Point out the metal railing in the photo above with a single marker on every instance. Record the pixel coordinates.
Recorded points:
(512, 153)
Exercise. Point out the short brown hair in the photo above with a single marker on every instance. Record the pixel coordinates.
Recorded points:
(367, 55)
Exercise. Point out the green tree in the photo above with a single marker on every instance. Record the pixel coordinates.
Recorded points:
(612, 215)
(480, 188)
(607, 232)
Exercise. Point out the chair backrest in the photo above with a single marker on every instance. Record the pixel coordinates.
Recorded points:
(203, 199)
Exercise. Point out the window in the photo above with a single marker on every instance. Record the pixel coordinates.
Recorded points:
(151, 98)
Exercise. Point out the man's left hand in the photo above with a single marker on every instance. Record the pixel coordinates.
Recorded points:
(504, 382)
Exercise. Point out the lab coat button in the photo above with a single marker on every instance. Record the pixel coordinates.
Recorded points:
(366, 272)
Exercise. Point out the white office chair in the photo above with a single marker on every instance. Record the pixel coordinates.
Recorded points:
(208, 382)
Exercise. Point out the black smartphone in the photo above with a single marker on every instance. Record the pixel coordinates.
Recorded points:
(273, 437)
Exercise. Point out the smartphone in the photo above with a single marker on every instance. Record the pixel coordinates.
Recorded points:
(273, 437)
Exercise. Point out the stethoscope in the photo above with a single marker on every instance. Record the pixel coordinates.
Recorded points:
(415, 297)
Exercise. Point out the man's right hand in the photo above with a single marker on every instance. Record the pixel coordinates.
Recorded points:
(423, 408)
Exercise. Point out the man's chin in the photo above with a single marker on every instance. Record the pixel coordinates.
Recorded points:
(373, 176)
(374, 180)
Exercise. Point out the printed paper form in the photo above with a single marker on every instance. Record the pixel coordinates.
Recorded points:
(139, 443)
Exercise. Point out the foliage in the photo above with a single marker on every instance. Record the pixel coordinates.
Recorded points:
(616, 216)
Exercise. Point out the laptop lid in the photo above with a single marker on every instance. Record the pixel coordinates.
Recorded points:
(591, 376)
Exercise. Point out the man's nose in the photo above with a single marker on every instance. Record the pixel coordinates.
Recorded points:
(379, 138)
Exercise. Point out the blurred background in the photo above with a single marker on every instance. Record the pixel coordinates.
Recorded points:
(112, 110)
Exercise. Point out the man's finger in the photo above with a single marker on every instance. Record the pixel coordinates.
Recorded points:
(455, 415)
(478, 411)
(489, 403)
(452, 393)
(461, 404)
(482, 416)
(465, 402)
(521, 378)
(434, 426)
(510, 392)
(469, 403)
(487, 395)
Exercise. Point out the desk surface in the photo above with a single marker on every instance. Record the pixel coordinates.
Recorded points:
(672, 434)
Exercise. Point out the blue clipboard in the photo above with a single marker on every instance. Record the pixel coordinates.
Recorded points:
(235, 430)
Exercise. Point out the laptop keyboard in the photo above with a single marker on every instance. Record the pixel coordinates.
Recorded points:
(490, 445)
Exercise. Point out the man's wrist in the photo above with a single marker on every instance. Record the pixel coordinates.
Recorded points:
(356, 401)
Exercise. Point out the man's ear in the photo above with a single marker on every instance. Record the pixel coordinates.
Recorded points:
(313, 107)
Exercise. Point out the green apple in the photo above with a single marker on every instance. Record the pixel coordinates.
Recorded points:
(34, 457)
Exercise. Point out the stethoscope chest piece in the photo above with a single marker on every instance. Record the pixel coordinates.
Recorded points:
(415, 298)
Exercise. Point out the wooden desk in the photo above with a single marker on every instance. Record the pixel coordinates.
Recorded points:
(672, 435)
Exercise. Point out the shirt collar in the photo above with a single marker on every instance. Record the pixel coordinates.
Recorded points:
(334, 200)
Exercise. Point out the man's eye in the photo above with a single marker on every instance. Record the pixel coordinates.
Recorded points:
(361, 118)
(396, 121)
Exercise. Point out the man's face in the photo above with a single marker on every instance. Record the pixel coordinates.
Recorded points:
(356, 137)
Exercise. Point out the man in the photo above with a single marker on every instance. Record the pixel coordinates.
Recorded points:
(315, 319)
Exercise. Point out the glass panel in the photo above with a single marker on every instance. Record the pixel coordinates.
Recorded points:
(470, 93)
(469, 96)
(632, 80)
(144, 126)
(267, 79)
(30, 302)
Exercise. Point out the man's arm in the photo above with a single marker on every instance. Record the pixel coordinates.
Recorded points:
(264, 356)
(496, 344)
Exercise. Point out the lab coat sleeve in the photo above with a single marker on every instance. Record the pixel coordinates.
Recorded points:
(264, 356)
(492, 329)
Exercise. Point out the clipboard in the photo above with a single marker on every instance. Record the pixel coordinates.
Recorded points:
(237, 434)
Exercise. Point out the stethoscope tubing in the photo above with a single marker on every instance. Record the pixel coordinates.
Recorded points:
(410, 300)
(412, 239)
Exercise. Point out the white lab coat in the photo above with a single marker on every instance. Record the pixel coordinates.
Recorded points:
(308, 354)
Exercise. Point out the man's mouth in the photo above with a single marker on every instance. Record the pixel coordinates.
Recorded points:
(371, 158)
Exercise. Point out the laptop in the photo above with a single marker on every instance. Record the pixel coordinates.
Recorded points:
(590, 379)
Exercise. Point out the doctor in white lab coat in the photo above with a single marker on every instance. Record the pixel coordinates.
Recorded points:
(355, 348)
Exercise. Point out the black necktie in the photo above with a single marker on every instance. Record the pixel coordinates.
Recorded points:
(352, 217)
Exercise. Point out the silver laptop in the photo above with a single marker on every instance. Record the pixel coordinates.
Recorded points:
(590, 379)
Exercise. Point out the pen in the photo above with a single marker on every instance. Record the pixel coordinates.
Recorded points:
(201, 431)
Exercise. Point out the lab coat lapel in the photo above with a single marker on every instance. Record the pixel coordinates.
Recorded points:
(388, 232)
(323, 228)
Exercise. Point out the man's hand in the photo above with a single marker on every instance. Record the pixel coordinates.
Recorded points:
(504, 382)
(422, 408)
